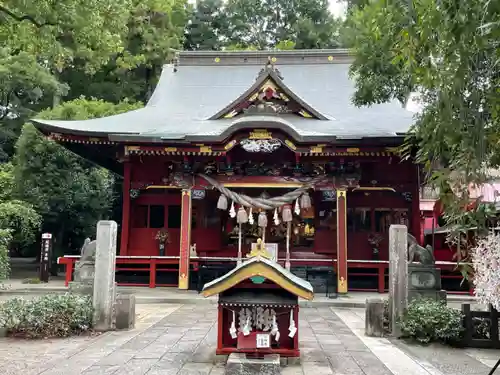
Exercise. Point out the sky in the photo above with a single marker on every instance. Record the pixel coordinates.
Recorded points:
(337, 8)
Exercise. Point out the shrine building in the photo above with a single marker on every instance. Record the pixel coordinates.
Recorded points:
(238, 146)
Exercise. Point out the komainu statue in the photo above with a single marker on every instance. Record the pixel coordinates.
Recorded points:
(87, 253)
(419, 254)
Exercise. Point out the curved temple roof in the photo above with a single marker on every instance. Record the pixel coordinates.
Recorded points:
(260, 266)
(193, 91)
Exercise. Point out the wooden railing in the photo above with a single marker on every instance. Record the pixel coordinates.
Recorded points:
(129, 263)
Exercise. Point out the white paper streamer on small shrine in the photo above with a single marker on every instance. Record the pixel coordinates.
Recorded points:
(297, 207)
(232, 329)
(250, 217)
(247, 327)
(276, 217)
(292, 328)
(232, 211)
(274, 329)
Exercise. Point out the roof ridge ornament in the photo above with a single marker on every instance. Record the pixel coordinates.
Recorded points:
(268, 68)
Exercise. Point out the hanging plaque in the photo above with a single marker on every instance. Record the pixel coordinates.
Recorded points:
(198, 194)
(329, 196)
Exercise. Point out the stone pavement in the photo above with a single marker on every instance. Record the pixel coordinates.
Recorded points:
(181, 339)
(146, 295)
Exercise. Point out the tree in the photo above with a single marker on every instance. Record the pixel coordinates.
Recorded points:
(263, 24)
(155, 31)
(205, 26)
(445, 52)
(17, 218)
(70, 193)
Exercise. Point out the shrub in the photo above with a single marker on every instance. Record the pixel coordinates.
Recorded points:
(428, 320)
(47, 316)
(33, 280)
(5, 238)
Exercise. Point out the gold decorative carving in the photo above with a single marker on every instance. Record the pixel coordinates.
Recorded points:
(230, 145)
(353, 150)
(260, 134)
(207, 149)
(305, 114)
(170, 149)
(290, 144)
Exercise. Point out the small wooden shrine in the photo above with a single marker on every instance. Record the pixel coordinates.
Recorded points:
(258, 307)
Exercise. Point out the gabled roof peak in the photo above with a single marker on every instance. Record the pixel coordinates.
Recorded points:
(268, 68)
(268, 95)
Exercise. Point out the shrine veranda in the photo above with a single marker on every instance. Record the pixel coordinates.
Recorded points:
(260, 124)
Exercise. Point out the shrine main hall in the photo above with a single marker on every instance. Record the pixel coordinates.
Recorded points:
(236, 147)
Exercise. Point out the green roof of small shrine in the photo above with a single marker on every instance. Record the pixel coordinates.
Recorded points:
(200, 85)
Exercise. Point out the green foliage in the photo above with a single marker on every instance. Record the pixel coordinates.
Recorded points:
(18, 217)
(23, 83)
(428, 320)
(23, 221)
(6, 181)
(448, 52)
(33, 280)
(5, 238)
(70, 194)
(259, 25)
(206, 24)
(48, 316)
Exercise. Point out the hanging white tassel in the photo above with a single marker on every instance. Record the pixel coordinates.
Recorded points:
(232, 329)
(286, 214)
(276, 217)
(250, 217)
(305, 201)
(222, 202)
(297, 207)
(262, 221)
(275, 330)
(232, 211)
(242, 216)
(246, 327)
(292, 328)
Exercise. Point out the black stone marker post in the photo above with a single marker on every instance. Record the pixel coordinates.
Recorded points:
(45, 257)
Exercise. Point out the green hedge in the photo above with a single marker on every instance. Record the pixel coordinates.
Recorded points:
(47, 316)
(428, 320)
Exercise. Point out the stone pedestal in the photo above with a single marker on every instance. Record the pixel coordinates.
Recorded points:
(105, 293)
(84, 278)
(239, 364)
(398, 276)
(374, 317)
(424, 281)
(125, 311)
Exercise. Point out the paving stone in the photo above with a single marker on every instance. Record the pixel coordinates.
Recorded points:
(292, 370)
(101, 370)
(196, 369)
(117, 358)
(343, 363)
(185, 346)
(314, 368)
(370, 364)
(136, 367)
(312, 355)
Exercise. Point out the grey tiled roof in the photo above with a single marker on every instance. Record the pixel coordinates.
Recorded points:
(187, 96)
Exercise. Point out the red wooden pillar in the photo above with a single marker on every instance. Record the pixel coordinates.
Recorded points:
(125, 208)
(416, 227)
(185, 239)
(341, 240)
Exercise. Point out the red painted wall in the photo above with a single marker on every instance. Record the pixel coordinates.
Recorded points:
(150, 170)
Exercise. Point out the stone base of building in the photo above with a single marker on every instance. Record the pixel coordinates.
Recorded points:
(239, 364)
